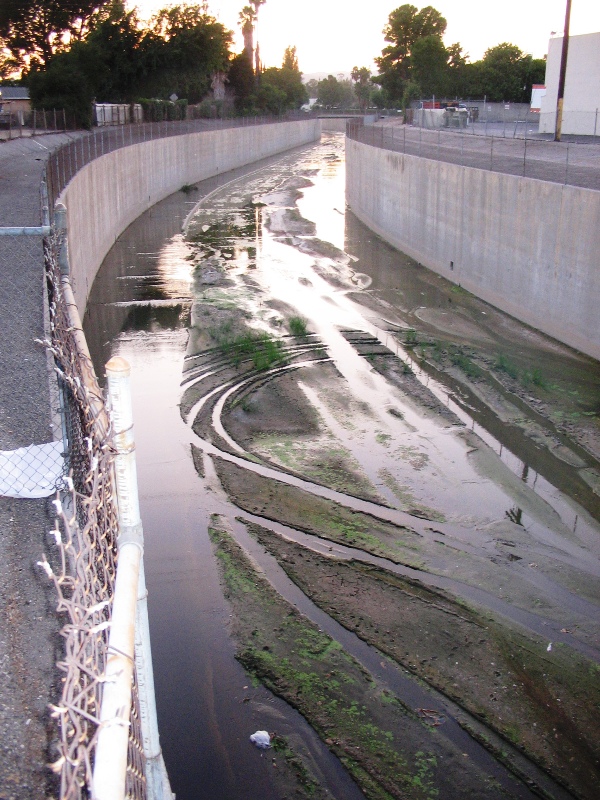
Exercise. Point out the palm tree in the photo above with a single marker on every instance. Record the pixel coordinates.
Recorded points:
(247, 17)
(247, 20)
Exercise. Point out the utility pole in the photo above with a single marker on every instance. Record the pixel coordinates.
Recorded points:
(563, 72)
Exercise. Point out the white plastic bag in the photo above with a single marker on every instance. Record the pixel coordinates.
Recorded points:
(261, 739)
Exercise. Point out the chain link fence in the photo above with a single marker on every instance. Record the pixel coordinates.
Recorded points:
(508, 120)
(65, 162)
(15, 124)
(76, 460)
(85, 534)
(26, 469)
(584, 123)
(574, 163)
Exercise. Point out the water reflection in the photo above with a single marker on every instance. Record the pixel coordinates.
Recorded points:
(146, 264)
(206, 707)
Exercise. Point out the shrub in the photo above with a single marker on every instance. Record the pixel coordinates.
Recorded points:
(297, 326)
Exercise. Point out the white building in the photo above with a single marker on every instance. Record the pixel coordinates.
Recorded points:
(581, 101)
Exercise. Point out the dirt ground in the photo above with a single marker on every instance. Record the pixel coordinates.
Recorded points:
(389, 750)
(545, 702)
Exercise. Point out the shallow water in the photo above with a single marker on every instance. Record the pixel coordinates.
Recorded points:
(140, 308)
(278, 268)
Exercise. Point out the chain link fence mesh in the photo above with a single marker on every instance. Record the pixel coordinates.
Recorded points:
(78, 463)
(573, 163)
(27, 469)
(16, 123)
(85, 534)
(65, 162)
(75, 459)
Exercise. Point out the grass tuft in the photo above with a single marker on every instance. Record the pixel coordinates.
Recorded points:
(503, 364)
(297, 326)
(263, 350)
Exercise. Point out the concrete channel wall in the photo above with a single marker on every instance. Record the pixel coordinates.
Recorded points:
(335, 124)
(108, 194)
(528, 247)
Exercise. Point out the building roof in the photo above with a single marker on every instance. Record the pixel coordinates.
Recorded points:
(14, 93)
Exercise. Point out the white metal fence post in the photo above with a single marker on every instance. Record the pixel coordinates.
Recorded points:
(131, 533)
(110, 764)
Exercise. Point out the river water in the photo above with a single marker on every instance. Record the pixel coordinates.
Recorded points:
(289, 243)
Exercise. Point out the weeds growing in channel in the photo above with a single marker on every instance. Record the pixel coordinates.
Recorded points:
(437, 352)
(527, 378)
(463, 362)
(299, 662)
(282, 747)
(534, 377)
(503, 364)
(259, 347)
(297, 326)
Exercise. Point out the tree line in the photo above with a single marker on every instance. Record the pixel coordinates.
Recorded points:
(417, 64)
(73, 52)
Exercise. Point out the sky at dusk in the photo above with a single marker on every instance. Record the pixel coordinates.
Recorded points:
(335, 35)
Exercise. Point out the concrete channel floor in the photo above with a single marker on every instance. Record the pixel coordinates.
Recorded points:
(29, 640)
(30, 643)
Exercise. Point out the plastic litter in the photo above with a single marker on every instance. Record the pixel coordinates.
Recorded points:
(261, 739)
(431, 716)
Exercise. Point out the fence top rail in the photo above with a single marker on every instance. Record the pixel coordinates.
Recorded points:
(40, 230)
(566, 163)
(68, 159)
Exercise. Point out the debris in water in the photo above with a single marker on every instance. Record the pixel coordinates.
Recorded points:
(261, 739)
(431, 716)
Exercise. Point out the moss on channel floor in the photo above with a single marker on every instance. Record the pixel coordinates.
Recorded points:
(386, 748)
(544, 701)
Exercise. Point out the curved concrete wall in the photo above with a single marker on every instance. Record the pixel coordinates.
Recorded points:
(528, 247)
(113, 190)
